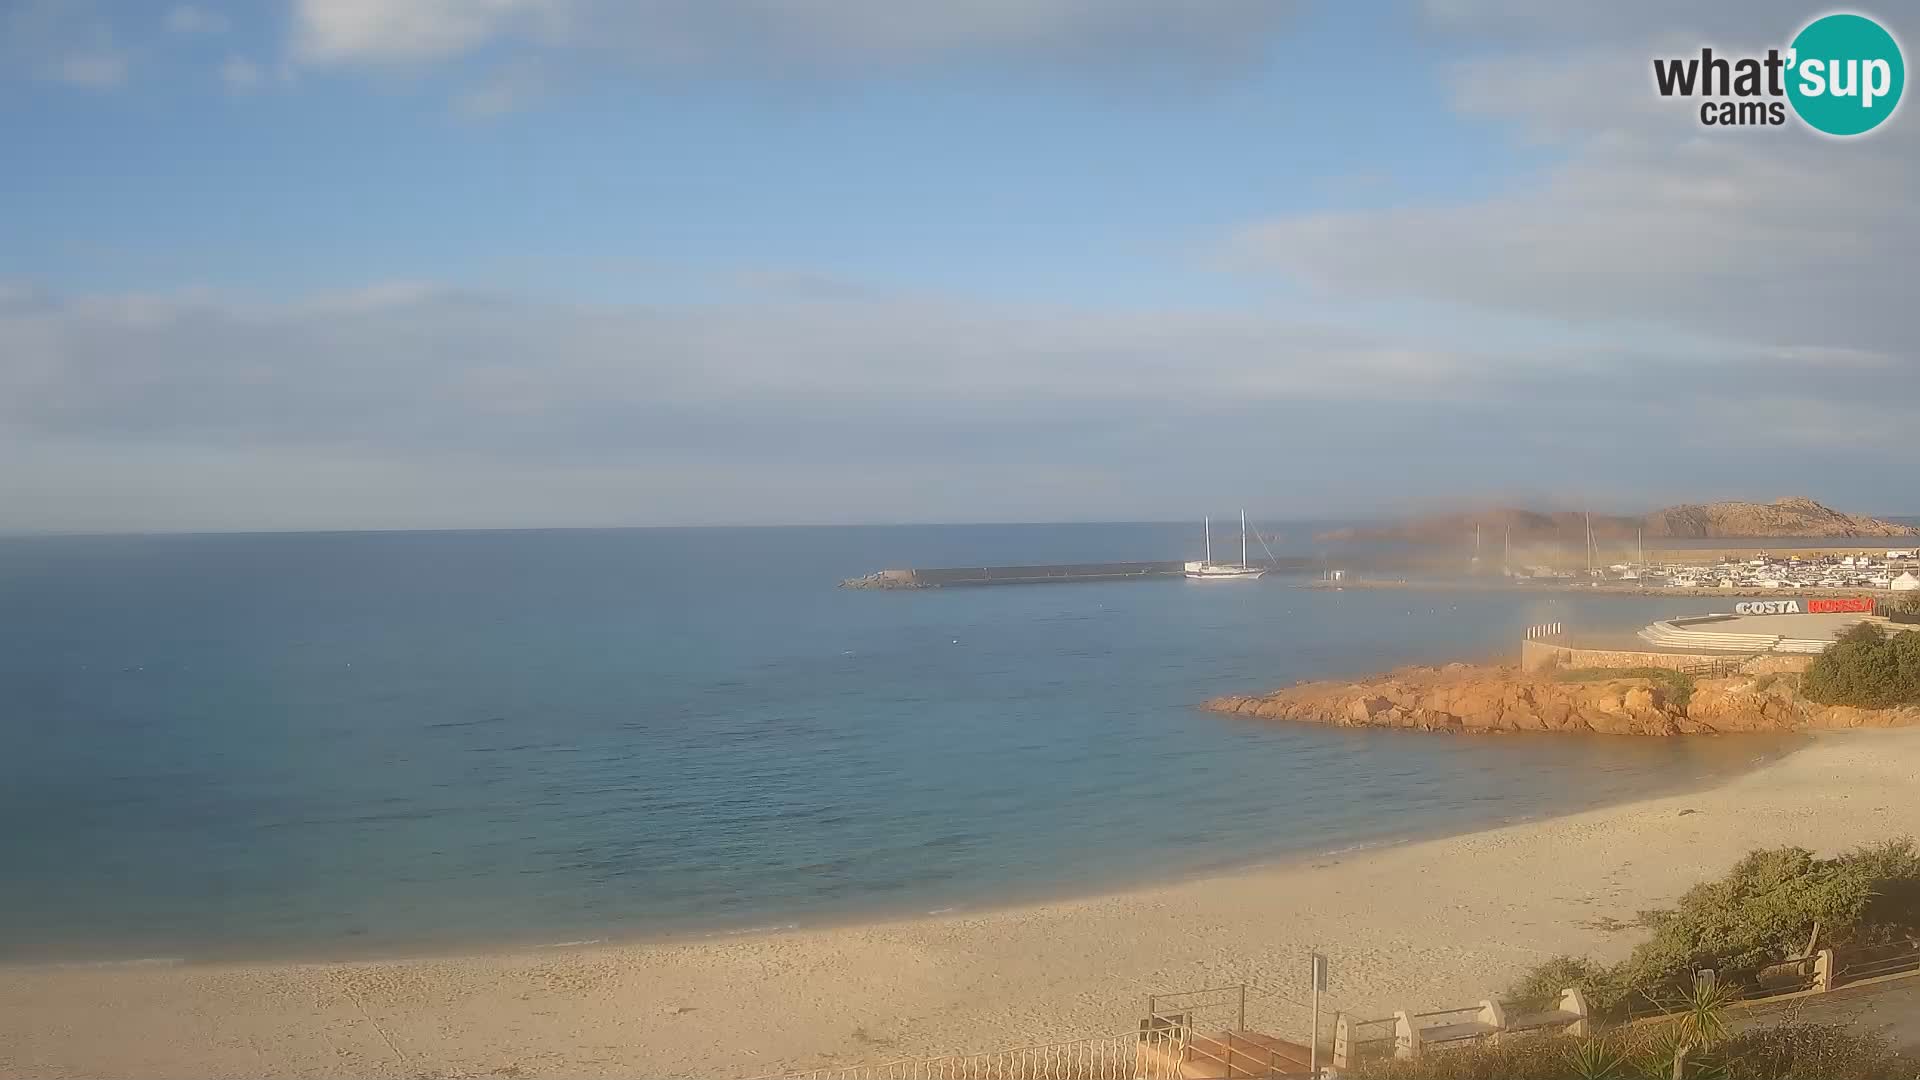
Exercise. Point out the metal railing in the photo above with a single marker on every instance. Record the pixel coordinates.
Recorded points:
(1871, 962)
(1217, 1039)
(1236, 1056)
(1794, 975)
(1175, 1040)
(1148, 1054)
(1216, 1004)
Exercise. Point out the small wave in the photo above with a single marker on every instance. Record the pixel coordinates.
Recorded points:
(754, 930)
(572, 944)
(468, 723)
(943, 911)
(142, 961)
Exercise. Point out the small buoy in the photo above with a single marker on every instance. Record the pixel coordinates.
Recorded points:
(956, 641)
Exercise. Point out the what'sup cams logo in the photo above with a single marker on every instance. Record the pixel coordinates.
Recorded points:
(1842, 75)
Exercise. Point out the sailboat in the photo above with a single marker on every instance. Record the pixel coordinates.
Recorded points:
(1208, 570)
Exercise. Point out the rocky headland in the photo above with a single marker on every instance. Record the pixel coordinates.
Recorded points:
(1787, 518)
(1478, 699)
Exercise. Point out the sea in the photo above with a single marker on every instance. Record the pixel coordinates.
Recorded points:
(333, 745)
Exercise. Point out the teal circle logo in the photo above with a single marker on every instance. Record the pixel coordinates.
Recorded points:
(1845, 74)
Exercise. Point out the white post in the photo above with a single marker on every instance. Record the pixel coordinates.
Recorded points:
(1823, 970)
(1319, 963)
(1495, 1017)
(1574, 1003)
(1406, 1036)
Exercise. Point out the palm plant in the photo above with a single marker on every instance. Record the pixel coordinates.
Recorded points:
(1596, 1059)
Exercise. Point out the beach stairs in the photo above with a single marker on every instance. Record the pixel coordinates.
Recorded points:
(1678, 634)
(1203, 1035)
(1224, 1055)
(1243, 1055)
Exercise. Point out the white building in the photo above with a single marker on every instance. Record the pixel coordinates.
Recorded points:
(1906, 582)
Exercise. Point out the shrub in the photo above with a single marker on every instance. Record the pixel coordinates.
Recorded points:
(1762, 912)
(1814, 1051)
(1540, 988)
(1789, 1052)
(1679, 684)
(1867, 667)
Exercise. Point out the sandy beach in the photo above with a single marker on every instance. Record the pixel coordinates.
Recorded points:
(1424, 924)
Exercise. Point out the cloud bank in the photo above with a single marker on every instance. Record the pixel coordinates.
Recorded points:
(743, 36)
(411, 405)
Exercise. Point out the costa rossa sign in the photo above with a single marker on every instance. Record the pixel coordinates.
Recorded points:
(1860, 604)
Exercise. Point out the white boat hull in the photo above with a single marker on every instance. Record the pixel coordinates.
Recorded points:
(1211, 572)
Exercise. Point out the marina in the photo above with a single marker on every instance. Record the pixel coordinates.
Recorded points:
(952, 576)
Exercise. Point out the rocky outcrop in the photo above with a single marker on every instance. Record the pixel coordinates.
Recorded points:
(1782, 517)
(1470, 699)
(1789, 517)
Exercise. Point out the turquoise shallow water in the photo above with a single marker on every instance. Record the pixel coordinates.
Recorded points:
(346, 743)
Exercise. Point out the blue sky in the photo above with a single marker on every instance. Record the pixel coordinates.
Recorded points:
(344, 263)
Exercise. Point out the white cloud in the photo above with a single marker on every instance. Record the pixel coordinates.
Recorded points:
(91, 70)
(458, 408)
(1766, 235)
(747, 34)
(192, 20)
(240, 74)
(1581, 21)
(379, 31)
(503, 91)
(61, 41)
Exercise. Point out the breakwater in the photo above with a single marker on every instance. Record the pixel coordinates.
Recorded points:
(952, 576)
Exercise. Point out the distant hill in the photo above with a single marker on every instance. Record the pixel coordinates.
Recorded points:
(1789, 517)
(1781, 517)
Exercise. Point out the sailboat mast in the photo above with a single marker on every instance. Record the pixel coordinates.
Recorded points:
(1243, 538)
(1207, 524)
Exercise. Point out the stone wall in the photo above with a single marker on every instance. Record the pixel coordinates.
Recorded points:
(1535, 655)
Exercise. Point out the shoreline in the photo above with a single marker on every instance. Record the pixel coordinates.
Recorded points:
(1422, 924)
(1770, 749)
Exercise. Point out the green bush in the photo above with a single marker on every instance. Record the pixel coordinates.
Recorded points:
(1511, 1059)
(1679, 684)
(1789, 1052)
(1867, 667)
(1761, 913)
(1540, 988)
(1814, 1051)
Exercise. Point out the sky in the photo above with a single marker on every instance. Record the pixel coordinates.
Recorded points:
(313, 264)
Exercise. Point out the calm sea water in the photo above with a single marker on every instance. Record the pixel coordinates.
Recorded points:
(332, 744)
